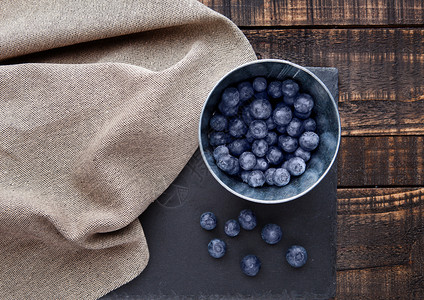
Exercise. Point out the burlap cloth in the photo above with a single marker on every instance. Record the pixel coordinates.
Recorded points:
(99, 108)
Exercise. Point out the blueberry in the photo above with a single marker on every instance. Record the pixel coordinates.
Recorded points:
(256, 178)
(296, 256)
(229, 164)
(238, 146)
(271, 138)
(288, 143)
(289, 88)
(260, 147)
(217, 138)
(282, 129)
(258, 129)
(296, 166)
(269, 176)
(281, 177)
(309, 124)
(274, 155)
(230, 97)
(302, 116)
(245, 90)
(309, 141)
(237, 128)
(247, 160)
(220, 151)
(208, 220)
(246, 115)
(270, 123)
(261, 164)
(218, 122)
(295, 127)
(247, 219)
(260, 109)
(303, 103)
(250, 265)
(282, 115)
(303, 154)
(232, 228)
(271, 234)
(228, 111)
(217, 248)
(259, 84)
(274, 89)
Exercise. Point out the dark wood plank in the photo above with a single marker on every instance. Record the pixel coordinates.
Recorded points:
(381, 161)
(380, 243)
(320, 12)
(381, 72)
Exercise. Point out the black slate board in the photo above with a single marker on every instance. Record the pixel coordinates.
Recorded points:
(181, 268)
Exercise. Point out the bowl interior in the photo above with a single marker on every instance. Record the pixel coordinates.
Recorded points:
(328, 129)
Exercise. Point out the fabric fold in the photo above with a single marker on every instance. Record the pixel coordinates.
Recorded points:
(99, 107)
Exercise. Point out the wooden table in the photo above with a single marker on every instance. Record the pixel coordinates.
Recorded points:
(378, 47)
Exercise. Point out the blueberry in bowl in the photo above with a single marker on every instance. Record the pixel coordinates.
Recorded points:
(273, 115)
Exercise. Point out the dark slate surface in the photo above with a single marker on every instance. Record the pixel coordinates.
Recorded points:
(181, 268)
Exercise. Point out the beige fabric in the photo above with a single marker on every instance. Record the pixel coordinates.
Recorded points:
(99, 106)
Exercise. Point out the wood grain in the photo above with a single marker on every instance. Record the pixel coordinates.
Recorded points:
(320, 12)
(381, 72)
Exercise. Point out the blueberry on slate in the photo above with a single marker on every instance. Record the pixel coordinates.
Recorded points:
(220, 151)
(250, 265)
(274, 89)
(247, 160)
(208, 220)
(217, 138)
(309, 124)
(269, 176)
(274, 155)
(256, 178)
(281, 177)
(270, 123)
(259, 147)
(258, 129)
(289, 88)
(245, 91)
(218, 122)
(237, 128)
(232, 228)
(302, 116)
(303, 103)
(238, 146)
(282, 115)
(217, 248)
(244, 175)
(288, 143)
(229, 164)
(271, 138)
(296, 256)
(296, 166)
(228, 111)
(247, 219)
(295, 127)
(309, 141)
(261, 164)
(230, 97)
(246, 115)
(259, 84)
(260, 109)
(282, 129)
(303, 154)
(271, 234)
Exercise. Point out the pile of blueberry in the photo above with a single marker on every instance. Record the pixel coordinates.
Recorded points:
(271, 234)
(264, 131)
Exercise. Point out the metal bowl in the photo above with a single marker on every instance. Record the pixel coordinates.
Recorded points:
(328, 129)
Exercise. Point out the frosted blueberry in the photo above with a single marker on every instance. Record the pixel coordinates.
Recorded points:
(303, 154)
(260, 109)
(295, 127)
(217, 248)
(296, 256)
(309, 141)
(232, 228)
(245, 90)
(217, 138)
(247, 161)
(271, 234)
(208, 220)
(230, 97)
(282, 115)
(281, 177)
(261, 164)
(274, 155)
(247, 219)
(274, 89)
(303, 103)
(269, 176)
(256, 178)
(237, 128)
(238, 146)
(289, 88)
(250, 265)
(309, 124)
(229, 164)
(220, 151)
(296, 166)
(259, 84)
(218, 122)
(258, 129)
(271, 138)
(259, 147)
(288, 143)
